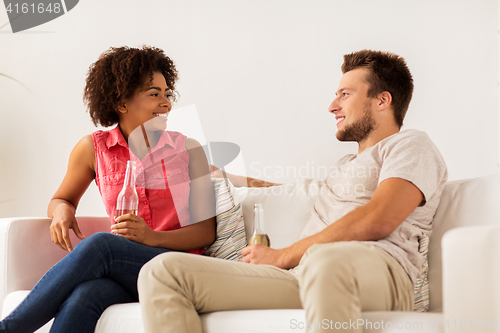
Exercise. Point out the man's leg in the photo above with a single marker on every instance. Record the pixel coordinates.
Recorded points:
(175, 287)
(339, 280)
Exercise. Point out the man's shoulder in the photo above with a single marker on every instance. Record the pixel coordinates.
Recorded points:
(412, 134)
(408, 138)
(414, 149)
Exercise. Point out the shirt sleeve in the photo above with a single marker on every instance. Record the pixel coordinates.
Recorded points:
(415, 158)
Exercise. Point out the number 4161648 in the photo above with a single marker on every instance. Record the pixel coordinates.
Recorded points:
(39, 8)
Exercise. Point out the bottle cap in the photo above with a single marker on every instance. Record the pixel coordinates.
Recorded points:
(258, 206)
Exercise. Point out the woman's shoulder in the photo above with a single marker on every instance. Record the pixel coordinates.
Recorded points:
(191, 143)
(86, 143)
(179, 138)
(84, 151)
(195, 151)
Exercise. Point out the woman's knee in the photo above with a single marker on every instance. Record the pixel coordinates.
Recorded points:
(100, 241)
(100, 238)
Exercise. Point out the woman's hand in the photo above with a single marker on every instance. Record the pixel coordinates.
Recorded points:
(134, 228)
(63, 220)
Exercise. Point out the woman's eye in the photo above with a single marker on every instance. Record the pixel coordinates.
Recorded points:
(168, 96)
(155, 94)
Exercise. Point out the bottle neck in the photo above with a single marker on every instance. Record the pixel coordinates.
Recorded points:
(129, 175)
(259, 221)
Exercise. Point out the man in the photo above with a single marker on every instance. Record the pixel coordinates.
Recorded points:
(359, 250)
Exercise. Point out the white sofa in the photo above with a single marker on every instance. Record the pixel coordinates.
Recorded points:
(464, 273)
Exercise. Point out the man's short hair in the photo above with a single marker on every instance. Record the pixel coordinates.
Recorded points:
(388, 72)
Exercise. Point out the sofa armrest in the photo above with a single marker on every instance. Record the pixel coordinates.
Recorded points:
(471, 278)
(27, 251)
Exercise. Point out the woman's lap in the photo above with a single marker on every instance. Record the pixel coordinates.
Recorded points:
(102, 255)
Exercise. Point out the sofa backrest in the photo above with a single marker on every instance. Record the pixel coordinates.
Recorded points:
(468, 202)
(463, 203)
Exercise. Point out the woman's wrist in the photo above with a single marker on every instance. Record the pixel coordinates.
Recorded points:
(61, 205)
(156, 239)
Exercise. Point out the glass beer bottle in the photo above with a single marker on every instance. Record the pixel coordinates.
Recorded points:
(259, 235)
(128, 201)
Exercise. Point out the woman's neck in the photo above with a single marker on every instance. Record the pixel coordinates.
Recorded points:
(140, 141)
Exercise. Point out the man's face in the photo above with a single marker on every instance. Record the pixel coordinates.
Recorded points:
(353, 108)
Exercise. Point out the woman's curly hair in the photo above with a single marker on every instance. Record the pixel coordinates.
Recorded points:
(118, 74)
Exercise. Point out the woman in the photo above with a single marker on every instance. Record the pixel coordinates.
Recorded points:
(133, 88)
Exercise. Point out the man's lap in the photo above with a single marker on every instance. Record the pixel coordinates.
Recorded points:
(226, 285)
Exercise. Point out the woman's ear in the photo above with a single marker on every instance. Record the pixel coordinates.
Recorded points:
(385, 100)
(122, 108)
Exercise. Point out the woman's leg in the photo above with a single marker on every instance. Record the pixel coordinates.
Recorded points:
(100, 255)
(83, 308)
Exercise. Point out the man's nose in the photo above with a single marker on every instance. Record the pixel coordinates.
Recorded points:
(334, 106)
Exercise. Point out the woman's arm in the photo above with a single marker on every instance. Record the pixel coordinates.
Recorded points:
(201, 232)
(63, 204)
(240, 181)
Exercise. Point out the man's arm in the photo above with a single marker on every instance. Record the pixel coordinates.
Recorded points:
(392, 202)
(240, 181)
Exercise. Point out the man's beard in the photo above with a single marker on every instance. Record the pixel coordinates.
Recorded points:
(360, 130)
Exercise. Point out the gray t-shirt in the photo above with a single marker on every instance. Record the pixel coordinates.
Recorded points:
(351, 183)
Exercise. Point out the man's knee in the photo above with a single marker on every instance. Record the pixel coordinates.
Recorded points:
(341, 262)
(167, 268)
(320, 257)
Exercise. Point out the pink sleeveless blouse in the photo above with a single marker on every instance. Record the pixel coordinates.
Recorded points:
(162, 178)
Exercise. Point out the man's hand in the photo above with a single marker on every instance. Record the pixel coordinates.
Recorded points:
(263, 255)
(134, 228)
(63, 220)
(239, 181)
(216, 172)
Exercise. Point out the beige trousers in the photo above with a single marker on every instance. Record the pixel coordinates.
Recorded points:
(334, 282)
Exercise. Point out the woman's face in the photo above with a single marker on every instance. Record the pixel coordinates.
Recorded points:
(150, 106)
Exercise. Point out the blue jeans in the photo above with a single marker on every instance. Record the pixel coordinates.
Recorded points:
(101, 271)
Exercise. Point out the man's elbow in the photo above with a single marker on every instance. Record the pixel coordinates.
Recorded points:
(381, 228)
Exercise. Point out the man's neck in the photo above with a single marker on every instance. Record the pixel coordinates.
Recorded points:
(376, 136)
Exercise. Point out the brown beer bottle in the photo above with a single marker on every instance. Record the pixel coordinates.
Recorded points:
(259, 235)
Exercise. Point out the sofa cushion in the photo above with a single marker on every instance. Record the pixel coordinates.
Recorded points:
(231, 236)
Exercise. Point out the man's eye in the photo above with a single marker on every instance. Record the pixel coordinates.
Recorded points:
(344, 94)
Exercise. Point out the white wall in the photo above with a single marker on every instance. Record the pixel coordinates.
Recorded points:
(261, 73)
